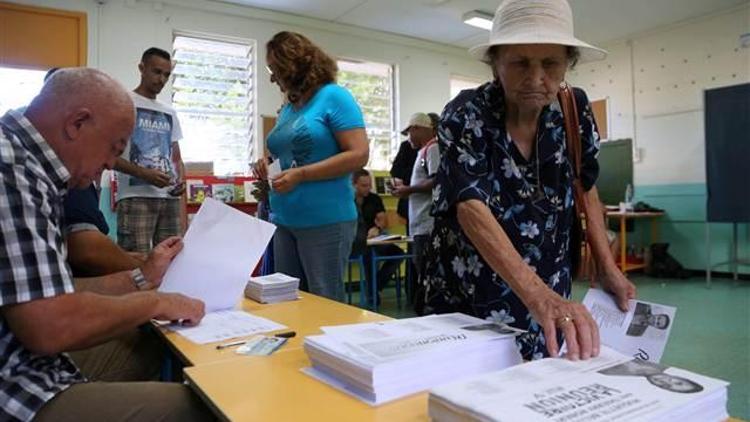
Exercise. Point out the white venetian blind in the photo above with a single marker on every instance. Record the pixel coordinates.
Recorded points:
(372, 86)
(213, 95)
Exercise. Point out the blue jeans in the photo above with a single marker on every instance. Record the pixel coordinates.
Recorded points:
(316, 255)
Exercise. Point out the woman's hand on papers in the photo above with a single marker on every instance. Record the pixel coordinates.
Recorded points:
(178, 307)
(287, 180)
(615, 282)
(579, 329)
(158, 260)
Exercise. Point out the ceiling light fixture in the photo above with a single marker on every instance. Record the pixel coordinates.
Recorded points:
(479, 19)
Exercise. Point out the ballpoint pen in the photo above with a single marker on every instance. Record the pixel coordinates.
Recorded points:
(230, 344)
(287, 334)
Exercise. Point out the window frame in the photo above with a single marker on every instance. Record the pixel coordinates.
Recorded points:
(395, 139)
(464, 78)
(258, 144)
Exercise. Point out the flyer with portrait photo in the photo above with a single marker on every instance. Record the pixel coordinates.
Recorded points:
(642, 332)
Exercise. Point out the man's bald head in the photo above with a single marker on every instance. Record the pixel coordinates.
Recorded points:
(75, 87)
(86, 117)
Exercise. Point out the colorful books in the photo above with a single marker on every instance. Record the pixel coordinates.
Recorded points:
(223, 192)
(197, 191)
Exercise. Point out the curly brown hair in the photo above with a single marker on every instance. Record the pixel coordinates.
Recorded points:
(299, 65)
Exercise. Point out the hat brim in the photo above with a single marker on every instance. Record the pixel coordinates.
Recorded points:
(589, 53)
(406, 130)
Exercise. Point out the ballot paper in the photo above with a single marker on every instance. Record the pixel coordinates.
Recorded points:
(642, 332)
(382, 361)
(274, 168)
(222, 247)
(610, 387)
(223, 325)
(272, 288)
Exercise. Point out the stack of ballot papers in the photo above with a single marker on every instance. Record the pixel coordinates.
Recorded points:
(272, 288)
(610, 387)
(382, 361)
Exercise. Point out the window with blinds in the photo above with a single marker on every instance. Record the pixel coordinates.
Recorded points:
(214, 97)
(460, 83)
(372, 85)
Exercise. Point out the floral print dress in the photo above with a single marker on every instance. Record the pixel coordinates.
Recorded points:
(531, 199)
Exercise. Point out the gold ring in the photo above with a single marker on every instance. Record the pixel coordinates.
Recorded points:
(564, 320)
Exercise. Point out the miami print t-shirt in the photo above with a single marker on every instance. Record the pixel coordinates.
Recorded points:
(156, 130)
(307, 135)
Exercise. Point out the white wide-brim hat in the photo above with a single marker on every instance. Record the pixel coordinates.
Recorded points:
(536, 22)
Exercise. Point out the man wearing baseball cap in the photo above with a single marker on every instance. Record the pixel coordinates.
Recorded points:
(423, 138)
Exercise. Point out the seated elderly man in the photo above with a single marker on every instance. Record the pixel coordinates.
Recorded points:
(90, 251)
(76, 127)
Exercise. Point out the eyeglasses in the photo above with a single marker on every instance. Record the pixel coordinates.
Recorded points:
(268, 69)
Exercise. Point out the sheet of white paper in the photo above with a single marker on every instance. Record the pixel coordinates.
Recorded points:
(223, 325)
(274, 169)
(222, 247)
(642, 332)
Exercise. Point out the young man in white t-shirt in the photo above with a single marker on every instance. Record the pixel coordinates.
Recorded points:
(422, 137)
(150, 172)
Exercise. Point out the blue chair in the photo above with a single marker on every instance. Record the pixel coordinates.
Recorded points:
(361, 263)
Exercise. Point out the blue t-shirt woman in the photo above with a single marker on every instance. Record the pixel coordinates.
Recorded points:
(318, 141)
(307, 135)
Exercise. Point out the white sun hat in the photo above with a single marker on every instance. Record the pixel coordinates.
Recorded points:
(536, 22)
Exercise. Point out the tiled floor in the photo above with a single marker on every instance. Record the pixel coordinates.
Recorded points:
(711, 334)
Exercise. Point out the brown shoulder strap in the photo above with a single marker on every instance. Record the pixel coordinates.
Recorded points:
(572, 134)
(573, 143)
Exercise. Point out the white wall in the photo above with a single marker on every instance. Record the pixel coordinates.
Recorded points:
(119, 31)
(671, 67)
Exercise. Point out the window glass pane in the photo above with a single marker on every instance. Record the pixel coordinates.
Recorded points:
(213, 94)
(372, 86)
(459, 83)
(20, 86)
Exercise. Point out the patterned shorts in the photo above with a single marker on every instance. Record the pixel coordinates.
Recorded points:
(144, 222)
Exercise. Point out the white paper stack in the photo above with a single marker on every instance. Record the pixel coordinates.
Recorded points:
(610, 387)
(272, 288)
(382, 361)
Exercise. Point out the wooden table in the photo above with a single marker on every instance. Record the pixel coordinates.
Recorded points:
(304, 316)
(632, 215)
(272, 388)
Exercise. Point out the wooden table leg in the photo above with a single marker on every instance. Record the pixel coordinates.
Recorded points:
(654, 230)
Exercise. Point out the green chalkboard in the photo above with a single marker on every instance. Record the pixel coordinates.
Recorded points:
(615, 170)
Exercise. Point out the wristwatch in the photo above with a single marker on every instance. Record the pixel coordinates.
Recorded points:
(138, 279)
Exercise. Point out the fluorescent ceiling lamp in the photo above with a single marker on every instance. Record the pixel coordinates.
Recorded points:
(479, 19)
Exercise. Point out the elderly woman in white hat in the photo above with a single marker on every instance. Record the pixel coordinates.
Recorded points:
(502, 242)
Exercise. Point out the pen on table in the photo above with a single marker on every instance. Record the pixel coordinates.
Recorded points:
(288, 334)
(230, 344)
